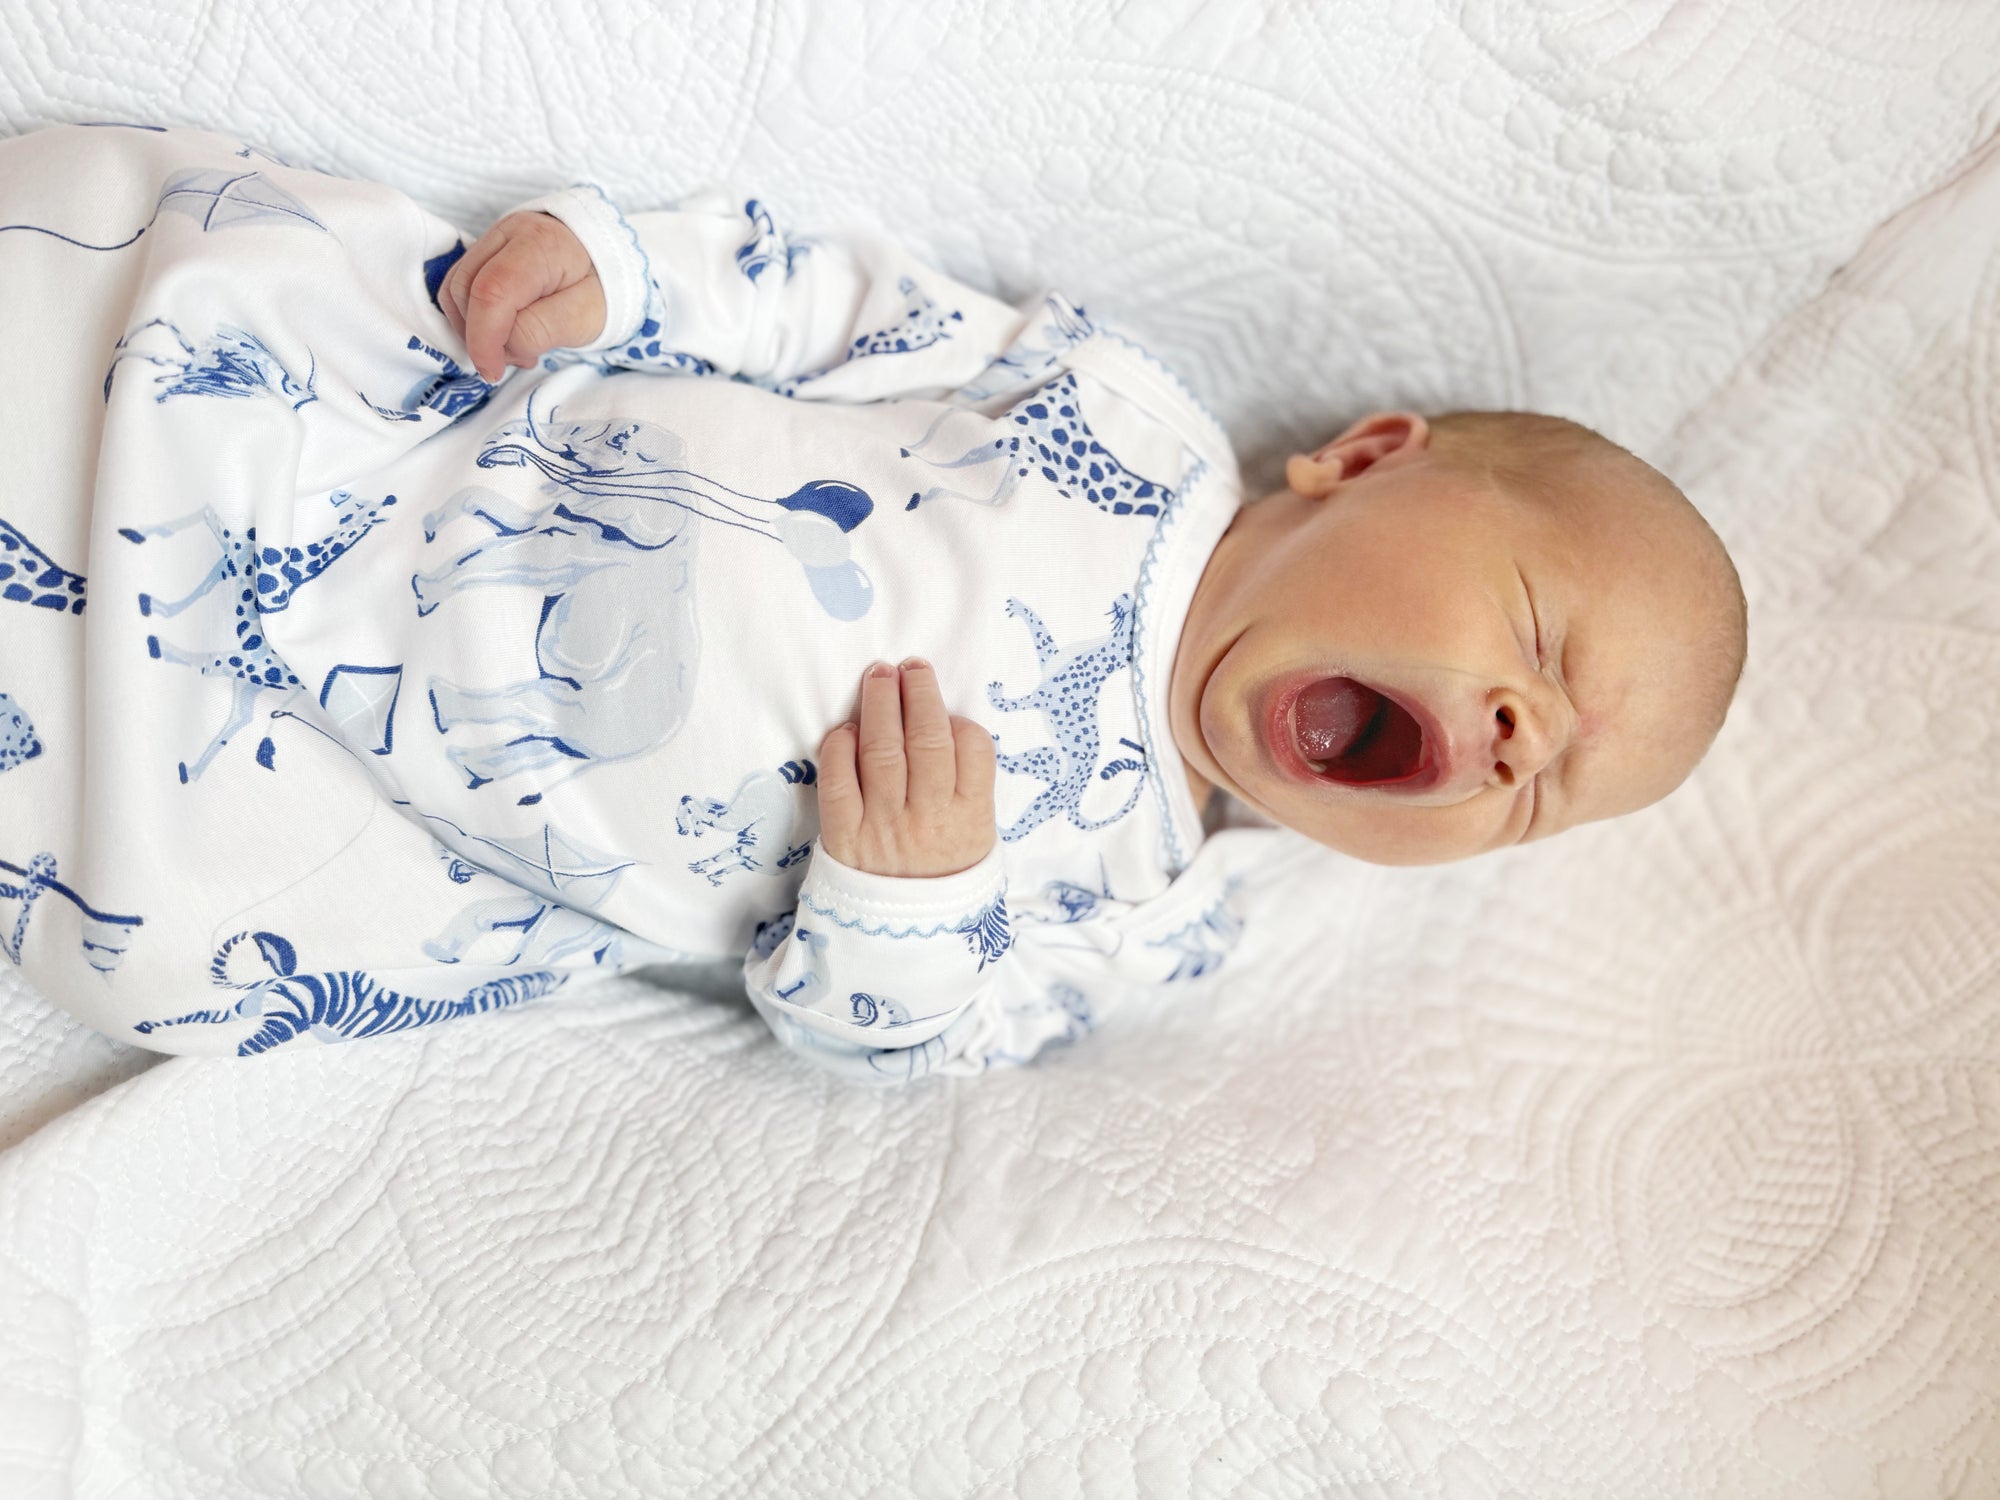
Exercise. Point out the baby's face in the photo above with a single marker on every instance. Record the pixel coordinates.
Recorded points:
(1410, 665)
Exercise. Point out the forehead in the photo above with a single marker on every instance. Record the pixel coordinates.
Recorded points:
(1632, 602)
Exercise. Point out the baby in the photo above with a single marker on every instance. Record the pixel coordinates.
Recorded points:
(540, 665)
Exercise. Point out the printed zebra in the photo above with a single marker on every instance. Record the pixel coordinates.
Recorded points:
(340, 1005)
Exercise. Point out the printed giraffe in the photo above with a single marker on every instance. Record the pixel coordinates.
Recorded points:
(1045, 433)
(28, 575)
(921, 325)
(265, 579)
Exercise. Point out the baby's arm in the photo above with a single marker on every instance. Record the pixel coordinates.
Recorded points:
(713, 285)
(900, 942)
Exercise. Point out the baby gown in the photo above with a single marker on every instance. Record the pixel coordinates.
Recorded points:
(399, 696)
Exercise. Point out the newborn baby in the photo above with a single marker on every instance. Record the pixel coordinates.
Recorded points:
(465, 623)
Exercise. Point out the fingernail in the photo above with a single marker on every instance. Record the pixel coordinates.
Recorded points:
(881, 669)
(915, 663)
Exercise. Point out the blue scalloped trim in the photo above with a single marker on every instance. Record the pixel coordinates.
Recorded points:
(953, 928)
(1175, 856)
(1187, 391)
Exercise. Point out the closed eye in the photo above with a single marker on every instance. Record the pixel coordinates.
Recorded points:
(1534, 616)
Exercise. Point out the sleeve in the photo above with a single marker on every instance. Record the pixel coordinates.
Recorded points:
(714, 286)
(886, 980)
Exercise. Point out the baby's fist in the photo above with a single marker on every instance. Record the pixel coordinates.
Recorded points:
(527, 287)
(908, 790)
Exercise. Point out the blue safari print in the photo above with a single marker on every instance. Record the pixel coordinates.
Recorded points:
(605, 461)
(986, 932)
(18, 742)
(361, 700)
(1199, 947)
(281, 571)
(616, 643)
(552, 884)
(264, 579)
(882, 1012)
(921, 325)
(763, 820)
(612, 559)
(544, 860)
(438, 267)
(873, 1010)
(646, 351)
(1067, 697)
(1064, 1000)
(1045, 434)
(1076, 902)
(769, 935)
(215, 199)
(450, 391)
(105, 935)
(232, 365)
(543, 932)
(28, 575)
(1059, 326)
(218, 199)
(767, 246)
(1074, 1004)
(812, 945)
(340, 1006)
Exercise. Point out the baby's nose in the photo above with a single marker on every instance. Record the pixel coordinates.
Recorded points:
(1523, 742)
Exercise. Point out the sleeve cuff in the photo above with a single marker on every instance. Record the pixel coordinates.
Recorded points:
(614, 249)
(901, 905)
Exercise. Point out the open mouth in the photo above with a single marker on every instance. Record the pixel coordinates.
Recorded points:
(1348, 732)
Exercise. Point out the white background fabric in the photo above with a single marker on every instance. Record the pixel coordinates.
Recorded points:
(1661, 1159)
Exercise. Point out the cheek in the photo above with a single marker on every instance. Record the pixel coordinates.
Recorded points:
(1226, 711)
(1377, 602)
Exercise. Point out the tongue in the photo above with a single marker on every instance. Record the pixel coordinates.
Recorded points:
(1329, 715)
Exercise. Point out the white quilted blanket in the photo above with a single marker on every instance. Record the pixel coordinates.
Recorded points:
(1662, 1160)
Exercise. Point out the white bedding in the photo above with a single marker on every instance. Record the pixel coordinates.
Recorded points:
(1660, 1160)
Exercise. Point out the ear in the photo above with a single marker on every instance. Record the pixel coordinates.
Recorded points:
(1381, 439)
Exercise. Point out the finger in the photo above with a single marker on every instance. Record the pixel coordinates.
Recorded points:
(501, 288)
(839, 789)
(974, 754)
(879, 754)
(460, 277)
(927, 740)
(448, 305)
(569, 319)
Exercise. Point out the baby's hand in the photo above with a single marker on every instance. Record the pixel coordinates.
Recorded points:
(910, 790)
(527, 287)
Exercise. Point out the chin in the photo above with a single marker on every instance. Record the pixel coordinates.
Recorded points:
(1379, 846)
